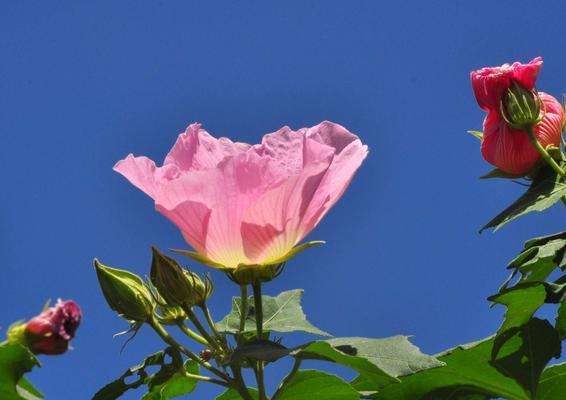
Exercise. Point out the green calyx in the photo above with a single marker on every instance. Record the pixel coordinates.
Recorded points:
(125, 293)
(16, 333)
(177, 286)
(252, 274)
(521, 108)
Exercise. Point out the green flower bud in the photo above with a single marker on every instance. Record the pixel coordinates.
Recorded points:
(177, 286)
(521, 108)
(170, 315)
(125, 293)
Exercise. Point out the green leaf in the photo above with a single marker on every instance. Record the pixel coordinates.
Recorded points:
(317, 385)
(546, 189)
(540, 257)
(560, 323)
(280, 314)
(522, 352)
(378, 361)
(522, 301)
(15, 361)
(467, 367)
(232, 394)
(163, 385)
(497, 173)
(552, 384)
(170, 381)
(28, 391)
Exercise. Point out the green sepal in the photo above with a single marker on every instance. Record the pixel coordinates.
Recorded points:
(476, 134)
(125, 293)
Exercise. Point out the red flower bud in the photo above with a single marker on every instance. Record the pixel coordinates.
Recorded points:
(509, 149)
(490, 83)
(504, 147)
(52, 330)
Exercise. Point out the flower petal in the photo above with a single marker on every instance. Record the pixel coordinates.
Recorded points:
(196, 149)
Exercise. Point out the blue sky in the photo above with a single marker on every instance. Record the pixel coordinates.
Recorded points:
(84, 83)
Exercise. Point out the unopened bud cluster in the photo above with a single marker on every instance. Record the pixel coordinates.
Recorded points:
(171, 289)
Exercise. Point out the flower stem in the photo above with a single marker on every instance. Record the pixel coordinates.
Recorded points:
(287, 379)
(258, 306)
(206, 379)
(194, 319)
(240, 385)
(244, 307)
(211, 323)
(542, 151)
(192, 334)
(167, 338)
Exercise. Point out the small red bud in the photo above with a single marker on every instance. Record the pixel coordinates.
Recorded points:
(51, 331)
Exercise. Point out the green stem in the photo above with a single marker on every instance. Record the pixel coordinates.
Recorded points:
(206, 379)
(192, 334)
(167, 338)
(542, 151)
(244, 307)
(258, 306)
(287, 379)
(239, 383)
(194, 319)
(211, 323)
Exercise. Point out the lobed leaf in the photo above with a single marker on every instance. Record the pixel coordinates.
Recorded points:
(468, 375)
(378, 361)
(282, 313)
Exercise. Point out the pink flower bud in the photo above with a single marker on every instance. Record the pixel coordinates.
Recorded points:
(507, 148)
(51, 331)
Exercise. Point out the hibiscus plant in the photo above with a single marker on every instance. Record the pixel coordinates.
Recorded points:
(245, 210)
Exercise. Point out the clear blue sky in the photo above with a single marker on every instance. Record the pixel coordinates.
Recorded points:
(84, 83)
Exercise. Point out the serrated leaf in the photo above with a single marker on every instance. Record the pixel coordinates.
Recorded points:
(522, 352)
(467, 367)
(552, 384)
(164, 384)
(379, 361)
(232, 394)
(282, 313)
(15, 361)
(317, 385)
(546, 189)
